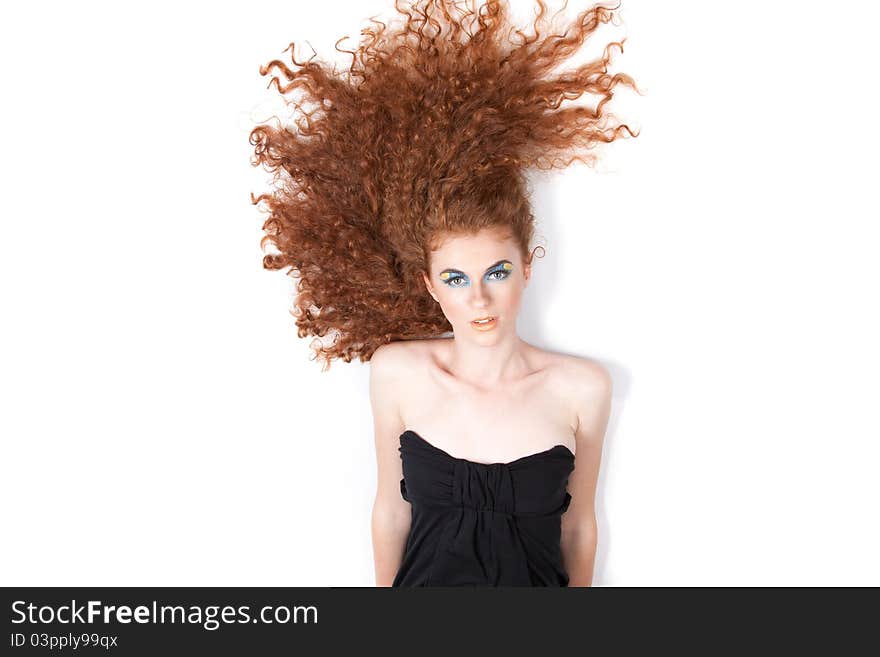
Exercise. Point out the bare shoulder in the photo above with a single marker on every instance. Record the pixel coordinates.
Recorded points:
(386, 359)
(388, 365)
(590, 388)
(586, 375)
(579, 374)
(395, 358)
(584, 383)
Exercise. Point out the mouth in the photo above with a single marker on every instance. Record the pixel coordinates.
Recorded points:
(484, 323)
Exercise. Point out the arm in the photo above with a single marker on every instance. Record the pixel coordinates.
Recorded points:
(579, 529)
(391, 513)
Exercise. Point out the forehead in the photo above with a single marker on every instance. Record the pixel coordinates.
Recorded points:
(473, 252)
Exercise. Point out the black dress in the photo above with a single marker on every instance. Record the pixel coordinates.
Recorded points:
(483, 524)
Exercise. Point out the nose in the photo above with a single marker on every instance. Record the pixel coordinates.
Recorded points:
(480, 295)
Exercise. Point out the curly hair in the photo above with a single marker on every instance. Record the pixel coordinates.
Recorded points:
(425, 136)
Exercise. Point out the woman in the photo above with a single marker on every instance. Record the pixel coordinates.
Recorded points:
(403, 212)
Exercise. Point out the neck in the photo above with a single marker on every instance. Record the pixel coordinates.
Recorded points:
(487, 366)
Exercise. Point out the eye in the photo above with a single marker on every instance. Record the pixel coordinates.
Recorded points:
(451, 281)
(503, 273)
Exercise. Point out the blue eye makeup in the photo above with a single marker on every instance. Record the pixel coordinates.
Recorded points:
(497, 272)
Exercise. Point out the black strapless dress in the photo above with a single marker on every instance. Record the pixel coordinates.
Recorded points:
(483, 524)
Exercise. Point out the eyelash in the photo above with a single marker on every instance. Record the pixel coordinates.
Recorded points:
(451, 279)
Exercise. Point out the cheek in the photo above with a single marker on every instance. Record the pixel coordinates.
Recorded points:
(454, 305)
(509, 298)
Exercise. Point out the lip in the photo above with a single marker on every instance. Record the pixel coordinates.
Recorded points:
(485, 327)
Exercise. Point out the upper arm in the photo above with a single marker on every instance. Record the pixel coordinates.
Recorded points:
(387, 365)
(592, 388)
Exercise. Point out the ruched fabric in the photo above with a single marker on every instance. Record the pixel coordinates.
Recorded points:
(483, 524)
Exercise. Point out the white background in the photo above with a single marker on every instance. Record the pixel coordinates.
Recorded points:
(163, 425)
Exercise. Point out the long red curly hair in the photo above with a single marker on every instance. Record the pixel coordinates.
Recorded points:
(426, 135)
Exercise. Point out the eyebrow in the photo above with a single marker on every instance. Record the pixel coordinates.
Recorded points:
(458, 271)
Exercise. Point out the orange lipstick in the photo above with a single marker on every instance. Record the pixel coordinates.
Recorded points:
(485, 326)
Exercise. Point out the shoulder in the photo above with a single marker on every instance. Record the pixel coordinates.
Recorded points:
(586, 376)
(394, 358)
(579, 374)
(585, 385)
(393, 367)
(388, 361)
(590, 389)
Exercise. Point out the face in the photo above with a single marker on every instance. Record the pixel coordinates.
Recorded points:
(478, 276)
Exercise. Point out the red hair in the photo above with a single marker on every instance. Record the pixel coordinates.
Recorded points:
(427, 134)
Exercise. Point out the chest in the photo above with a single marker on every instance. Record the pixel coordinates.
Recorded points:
(499, 426)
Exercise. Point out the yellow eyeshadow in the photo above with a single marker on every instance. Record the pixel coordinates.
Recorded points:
(507, 266)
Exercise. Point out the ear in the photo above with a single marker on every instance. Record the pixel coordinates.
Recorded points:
(428, 286)
(527, 271)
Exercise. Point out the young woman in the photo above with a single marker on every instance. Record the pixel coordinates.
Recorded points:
(403, 211)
